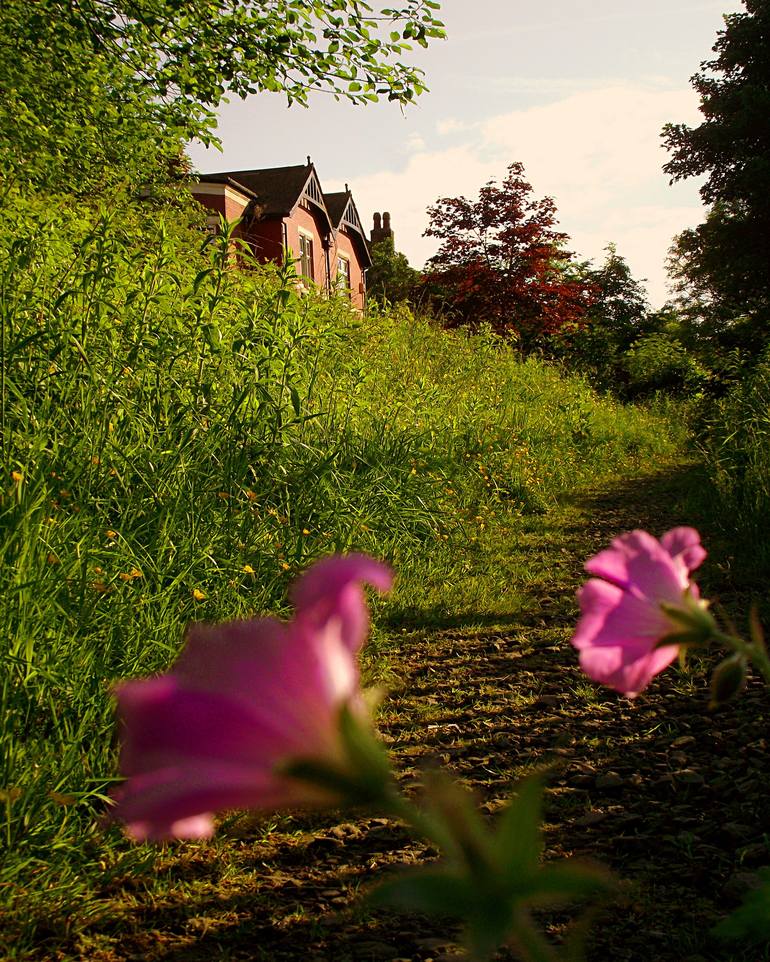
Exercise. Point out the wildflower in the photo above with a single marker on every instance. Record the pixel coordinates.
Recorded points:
(198, 594)
(111, 534)
(642, 595)
(244, 701)
(17, 476)
(247, 569)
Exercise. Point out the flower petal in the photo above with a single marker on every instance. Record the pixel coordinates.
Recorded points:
(157, 802)
(626, 668)
(684, 543)
(166, 724)
(638, 562)
(332, 589)
(597, 600)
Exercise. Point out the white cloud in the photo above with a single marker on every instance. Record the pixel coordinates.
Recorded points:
(414, 143)
(451, 125)
(596, 152)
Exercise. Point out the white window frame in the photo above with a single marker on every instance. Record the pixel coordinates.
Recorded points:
(344, 276)
(306, 235)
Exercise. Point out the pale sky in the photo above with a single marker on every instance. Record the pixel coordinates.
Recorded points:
(577, 90)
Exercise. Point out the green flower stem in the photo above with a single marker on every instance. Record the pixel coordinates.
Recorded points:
(395, 804)
(755, 653)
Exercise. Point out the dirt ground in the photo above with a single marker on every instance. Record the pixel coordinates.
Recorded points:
(670, 796)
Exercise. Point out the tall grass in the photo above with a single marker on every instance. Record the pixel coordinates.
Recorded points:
(181, 433)
(735, 441)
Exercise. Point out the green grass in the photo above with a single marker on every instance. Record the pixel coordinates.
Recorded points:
(180, 438)
(734, 437)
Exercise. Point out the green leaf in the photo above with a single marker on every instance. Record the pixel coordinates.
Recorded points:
(455, 810)
(326, 777)
(519, 842)
(751, 921)
(431, 891)
(366, 753)
(295, 401)
(568, 880)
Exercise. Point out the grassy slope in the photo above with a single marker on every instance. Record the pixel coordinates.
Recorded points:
(179, 440)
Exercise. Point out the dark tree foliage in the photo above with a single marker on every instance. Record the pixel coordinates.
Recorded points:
(617, 316)
(96, 88)
(724, 263)
(390, 279)
(502, 262)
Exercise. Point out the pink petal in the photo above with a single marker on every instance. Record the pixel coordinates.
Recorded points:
(597, 599)
(625, 669)
(198, 826)
(244, 698)
(639, 563)
(170, 725)
(684, 543)
(332, 588)
(294, 676)
(165, 797)
(634, 622)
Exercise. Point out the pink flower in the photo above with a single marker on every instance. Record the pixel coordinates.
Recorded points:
(623, 609)
(243, 698)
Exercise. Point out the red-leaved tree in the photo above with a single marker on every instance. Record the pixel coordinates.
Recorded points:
(502, 262)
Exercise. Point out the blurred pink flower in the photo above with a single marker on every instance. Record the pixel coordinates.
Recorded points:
(243, 698)
(623, 616)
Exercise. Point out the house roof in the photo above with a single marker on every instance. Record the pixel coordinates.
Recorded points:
(344, 216)
(277, 190)
(336, 204)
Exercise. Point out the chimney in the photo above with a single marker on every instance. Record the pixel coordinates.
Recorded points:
(382, 229)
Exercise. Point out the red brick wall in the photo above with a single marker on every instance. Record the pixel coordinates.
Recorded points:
(304, 219)
(345, 245)
(266, 238)
(221, 200)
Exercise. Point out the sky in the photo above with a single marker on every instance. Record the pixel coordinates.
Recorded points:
(576, 90)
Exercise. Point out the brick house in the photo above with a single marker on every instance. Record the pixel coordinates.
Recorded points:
(285, 208)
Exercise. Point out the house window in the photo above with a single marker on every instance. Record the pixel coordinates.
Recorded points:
(343, 274)
(306, 256)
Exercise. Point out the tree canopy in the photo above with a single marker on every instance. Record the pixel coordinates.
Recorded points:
(87, 83)
(502, 262)
(724, 261)
(390, 279)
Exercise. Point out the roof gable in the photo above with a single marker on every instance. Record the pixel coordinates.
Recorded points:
(344, 216)
(277, 190)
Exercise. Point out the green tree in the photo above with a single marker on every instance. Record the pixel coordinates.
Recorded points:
(618, 314)
(723, 263)
(90, 83)
(390, 279)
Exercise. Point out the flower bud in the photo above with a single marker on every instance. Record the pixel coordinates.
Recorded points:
(691, 622)
(728, 680)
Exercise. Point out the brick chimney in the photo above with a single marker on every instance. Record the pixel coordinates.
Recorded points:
(381, 230)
